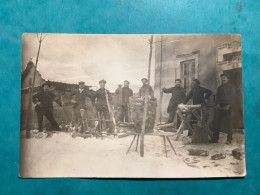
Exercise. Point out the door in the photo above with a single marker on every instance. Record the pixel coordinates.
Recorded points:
(187, 73)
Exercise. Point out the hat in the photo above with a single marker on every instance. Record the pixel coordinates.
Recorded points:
(144, 79)
(177, 80)
(81, 83)
(46, 83)
(196, 80)
(223, 74)
(127, 81)
(102, 81)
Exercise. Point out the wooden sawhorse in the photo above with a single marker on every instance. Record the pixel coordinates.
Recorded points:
(165, 136)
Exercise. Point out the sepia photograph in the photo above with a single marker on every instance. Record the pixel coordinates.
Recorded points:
(131, 106)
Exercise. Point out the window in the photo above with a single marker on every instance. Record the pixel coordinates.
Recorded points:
(188, 73)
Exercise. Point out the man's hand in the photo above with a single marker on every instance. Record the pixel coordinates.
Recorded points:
(38, 103)
(73, 101)
(163, 89)
(226, 108)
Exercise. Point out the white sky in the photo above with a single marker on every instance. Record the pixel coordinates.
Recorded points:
(72, 58)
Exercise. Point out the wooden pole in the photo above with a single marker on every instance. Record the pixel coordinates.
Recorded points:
(28, 122)
(37, 59)
(161, 93)
(146, 100)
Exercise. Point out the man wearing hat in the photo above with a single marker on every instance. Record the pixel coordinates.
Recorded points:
(100, 100)
(44, 106)
(178, 94)
(126, 94)
(118, 92)
(145, 89)
(79, 106)
(224, 112)
(199, 95)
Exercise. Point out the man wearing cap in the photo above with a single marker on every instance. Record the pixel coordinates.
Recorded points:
(225, 107)
(100, 100)
(126, 94)
(199, 95)
(118, 92)
(44, 106)
(145, 89)
(79, 108)
(178, 94)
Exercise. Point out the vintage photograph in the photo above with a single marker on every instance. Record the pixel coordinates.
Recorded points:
(131, 106)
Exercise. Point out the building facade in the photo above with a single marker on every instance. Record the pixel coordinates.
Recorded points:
(203, 57)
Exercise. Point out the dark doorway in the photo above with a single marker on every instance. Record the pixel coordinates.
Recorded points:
(235, 79)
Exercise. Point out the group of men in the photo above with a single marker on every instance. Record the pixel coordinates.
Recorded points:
(101, 98)
(44, 99)
(200, 95)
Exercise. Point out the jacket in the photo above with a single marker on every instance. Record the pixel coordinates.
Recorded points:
(178, 94)
(198, 95)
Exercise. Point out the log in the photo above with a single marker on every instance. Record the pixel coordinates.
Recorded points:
(198, 152)
(164, 125)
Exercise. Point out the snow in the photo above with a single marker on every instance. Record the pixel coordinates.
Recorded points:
(61, 155)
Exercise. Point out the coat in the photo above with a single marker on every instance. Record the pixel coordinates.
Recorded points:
(225, 95)
(178, 94)
(126, 92)
(198, 95)
(99, 98)
(80, 98)
(146, 89)
(45, 98)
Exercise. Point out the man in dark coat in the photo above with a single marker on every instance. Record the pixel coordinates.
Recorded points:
(223, 119)
(100, 100)
(126, 94)
(145, 89)
(79, 108)
(178, 95)
(44, 106)
(199, 95)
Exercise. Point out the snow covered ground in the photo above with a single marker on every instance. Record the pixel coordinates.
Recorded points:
(64, 156)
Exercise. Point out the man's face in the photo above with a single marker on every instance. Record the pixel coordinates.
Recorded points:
(45, 88)
(177, 83)
(195, 84)
(102, 85)
(126, 84)
(81, 86)
(144, 82)
(224, 79)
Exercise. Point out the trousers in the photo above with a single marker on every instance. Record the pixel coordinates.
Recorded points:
(48, 113)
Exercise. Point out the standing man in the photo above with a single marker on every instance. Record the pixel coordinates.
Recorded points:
(223, 119)
(145, 89)
(100, 100)
(79, 107)
(118, 92)
(44, 106)
(199, 95)
(126, 94)
(178, 95)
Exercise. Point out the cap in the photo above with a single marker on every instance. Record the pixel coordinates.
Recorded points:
(177, 80)
(127, 81)
(46, 83)
(196, 80)
(144, 79)
(223, 74)
(81, 83)
(102, 81)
